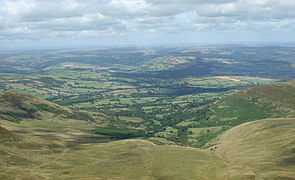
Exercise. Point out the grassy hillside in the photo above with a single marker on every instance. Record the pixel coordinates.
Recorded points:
(165, 96)
(51, 145)
(131, 159)
(128, 159)
(6, 135)
(275, 100)
(17, 153)
(28, 115)
(29, 157)
(282, 94)
(17, 106)
(268, 101)
(195, 127)
(263, 149)
(35, 118)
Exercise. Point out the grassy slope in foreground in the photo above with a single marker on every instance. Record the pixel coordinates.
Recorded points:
(18, 153)
(263, 149)
(120, 160)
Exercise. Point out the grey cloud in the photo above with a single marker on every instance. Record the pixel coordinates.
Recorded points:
(49, 18)
(34, 10)
(190, 2)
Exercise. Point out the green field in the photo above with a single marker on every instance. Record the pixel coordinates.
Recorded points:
(223, 113)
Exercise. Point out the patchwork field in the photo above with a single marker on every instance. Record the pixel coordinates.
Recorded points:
(223, 113)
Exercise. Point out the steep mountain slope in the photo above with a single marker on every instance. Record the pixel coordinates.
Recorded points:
(282, 94)
(275, 100)
(268, 101)
(17, 153)
(28, 115)
(16, 106)
(6, 135)
(263, 149)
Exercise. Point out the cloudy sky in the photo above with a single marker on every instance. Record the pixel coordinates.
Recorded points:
(50, 23)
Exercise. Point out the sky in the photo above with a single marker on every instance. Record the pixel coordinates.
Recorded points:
(78, 23)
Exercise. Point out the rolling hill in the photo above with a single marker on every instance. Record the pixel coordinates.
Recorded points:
(263, 149)
(6, 135)
(262, 102)
(41, 140)
(269, 101)
(28, 115)
(17, 106)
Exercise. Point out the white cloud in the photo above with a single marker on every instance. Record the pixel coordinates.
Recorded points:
(61, 19)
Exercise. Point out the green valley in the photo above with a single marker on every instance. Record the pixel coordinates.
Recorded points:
(220, 112)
